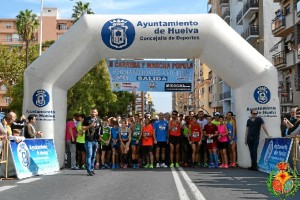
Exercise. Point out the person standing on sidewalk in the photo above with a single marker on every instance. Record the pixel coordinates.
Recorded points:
(93, 128)
(254, 124)
(71, 134)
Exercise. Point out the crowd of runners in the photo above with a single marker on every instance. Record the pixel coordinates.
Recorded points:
(165, 140)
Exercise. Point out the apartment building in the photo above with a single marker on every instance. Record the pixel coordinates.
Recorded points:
(248, 18)
(53, 28)
(286, 53)
(182, 102)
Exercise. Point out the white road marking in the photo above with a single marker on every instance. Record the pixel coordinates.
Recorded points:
(181, 191)
(7, 187)
(29, 180)
(195, 191)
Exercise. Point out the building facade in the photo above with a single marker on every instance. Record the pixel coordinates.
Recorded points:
(53, 28)
(286, 53)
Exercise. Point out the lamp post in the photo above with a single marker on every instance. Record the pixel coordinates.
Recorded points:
(41, 26)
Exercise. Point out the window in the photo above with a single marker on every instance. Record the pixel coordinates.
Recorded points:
(8, 25)
(7, 100)
(8, 38)
(62, 27)
(287, 9)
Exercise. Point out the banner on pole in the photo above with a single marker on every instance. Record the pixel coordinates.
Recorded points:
(156, 76)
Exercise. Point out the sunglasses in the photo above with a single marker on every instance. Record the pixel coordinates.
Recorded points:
(254, 113)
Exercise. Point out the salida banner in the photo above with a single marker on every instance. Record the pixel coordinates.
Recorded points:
(157, 76)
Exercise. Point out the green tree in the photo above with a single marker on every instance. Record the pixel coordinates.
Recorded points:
(81, 9)
(27, 24)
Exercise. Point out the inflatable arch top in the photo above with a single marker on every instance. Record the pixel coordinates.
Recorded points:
(204, 36)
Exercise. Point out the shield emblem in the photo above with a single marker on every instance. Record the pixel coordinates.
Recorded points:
(118, 36)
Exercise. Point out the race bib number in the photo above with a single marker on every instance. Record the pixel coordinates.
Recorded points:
(136, 133)
(162, 128)
(174, 128)
(123, 133)
(209, 141)
(146, 134)
(195, 135)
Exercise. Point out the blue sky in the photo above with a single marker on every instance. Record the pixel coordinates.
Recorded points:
(162, 101)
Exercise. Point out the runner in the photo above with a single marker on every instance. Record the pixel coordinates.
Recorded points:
(231, 126)
(115, 144)
(105, 144)
(80, 140)
(195, 139)
(211, 132)
(135, 140)
(203, 148)
(161, 134)
(185, 142)
(216, 120)
(223, 142)
(148, 138)
(125, 139)
(174, 138)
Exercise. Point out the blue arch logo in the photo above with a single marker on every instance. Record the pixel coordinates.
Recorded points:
(262, 95)
(118, 34)
(40, 98)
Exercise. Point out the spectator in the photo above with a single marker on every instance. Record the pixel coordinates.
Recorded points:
(14, 123)
(71, 134)
(30, 131)
(16, 136)
(254, 124)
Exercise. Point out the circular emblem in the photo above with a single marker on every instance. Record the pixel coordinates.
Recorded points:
(118, 34)
(262, 95)
(23, 154)
(40, 98)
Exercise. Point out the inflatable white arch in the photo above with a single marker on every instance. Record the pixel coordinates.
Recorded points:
(204, 36)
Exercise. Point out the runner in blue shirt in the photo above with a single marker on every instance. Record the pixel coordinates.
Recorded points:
(161, 133)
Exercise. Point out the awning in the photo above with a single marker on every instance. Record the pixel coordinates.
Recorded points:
(290, 37)
(276, 45)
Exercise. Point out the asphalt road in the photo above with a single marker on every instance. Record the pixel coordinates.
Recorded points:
(156, 184)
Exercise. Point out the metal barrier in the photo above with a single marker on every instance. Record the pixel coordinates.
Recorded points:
(4, 158)
(296, 157)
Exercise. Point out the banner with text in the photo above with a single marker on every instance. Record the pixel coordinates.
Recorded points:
(157, 76)
(34, 157)
(275, 150)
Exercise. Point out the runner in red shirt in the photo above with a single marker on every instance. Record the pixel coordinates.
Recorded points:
(195, 139)
(174, 138)
(211, 132)
(148, 139)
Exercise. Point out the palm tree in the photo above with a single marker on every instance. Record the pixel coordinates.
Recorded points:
(81, 9)
(27, 24)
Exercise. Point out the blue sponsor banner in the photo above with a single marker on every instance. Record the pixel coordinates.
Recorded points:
(275, 150)
(34, 157)
(140, 75)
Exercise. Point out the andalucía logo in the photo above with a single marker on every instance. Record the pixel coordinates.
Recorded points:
(283, 181)
(262, 95)
(40, 98)
(23, 154)
(118, 34)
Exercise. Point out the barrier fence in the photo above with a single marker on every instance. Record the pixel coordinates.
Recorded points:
(4, 158)
(296, 157)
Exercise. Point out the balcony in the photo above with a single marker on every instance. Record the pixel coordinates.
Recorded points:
(239, 20)
(226, 15)
(279, 59)
(224, 3)
(298, 8)
(249, 8)
(278, 24)
(225, 96)
(290, 58)
(286, 97)
(251, 33)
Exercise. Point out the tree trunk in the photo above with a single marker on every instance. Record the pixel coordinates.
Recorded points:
(27, 56)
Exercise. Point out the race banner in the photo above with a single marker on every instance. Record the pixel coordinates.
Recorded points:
(275, 150)
(34, 157)
(156, 76)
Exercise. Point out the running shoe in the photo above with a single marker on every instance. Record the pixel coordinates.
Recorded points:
(221, 166)
(113, 166)
(157, 165)
(118, 166)
(83, 167)
(75, 167)
(106, 165)
(217, 165)
(102, 167)
(177, 165)
(93, 172)
(151, 166)
(163, 165)
(124, 166)
(90, 174)
(226, 166)
(147, 166)
(211, 165)
(205, 165)
(134, 166)
(97, 166)
(233, 165)
(172, 165)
